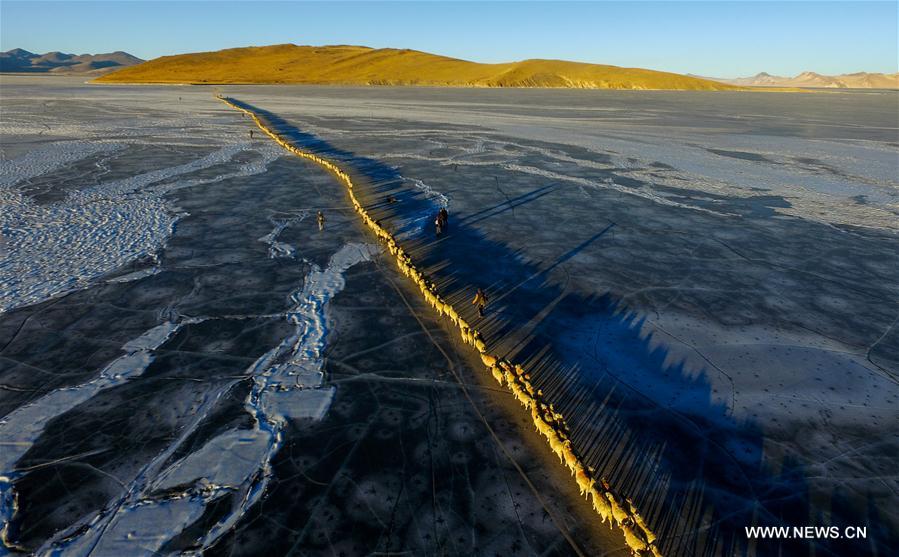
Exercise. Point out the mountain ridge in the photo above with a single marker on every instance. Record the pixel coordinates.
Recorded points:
(360, 65)
(855, 80)
(20, 60)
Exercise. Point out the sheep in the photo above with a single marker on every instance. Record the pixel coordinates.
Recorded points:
(469, 338)
(545, 429)
(513, 386)
(555, 444)
(632, 539)
(464, 332)
(650, 537)
(570, 458)
(618, 513)
(535, 417)
(521, 395)
(583, 481)
(601, 505)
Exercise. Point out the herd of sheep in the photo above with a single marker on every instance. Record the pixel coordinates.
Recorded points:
(608, 504)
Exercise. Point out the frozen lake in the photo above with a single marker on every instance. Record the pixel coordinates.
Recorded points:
(705, 284)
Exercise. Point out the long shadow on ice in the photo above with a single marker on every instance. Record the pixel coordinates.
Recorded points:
(658, 431)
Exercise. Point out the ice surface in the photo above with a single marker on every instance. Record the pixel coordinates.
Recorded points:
(288, 385)
(704, 285)
(820, 162)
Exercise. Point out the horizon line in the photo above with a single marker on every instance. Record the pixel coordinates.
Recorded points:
(690, 74)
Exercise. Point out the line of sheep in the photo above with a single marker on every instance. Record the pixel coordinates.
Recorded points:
(609, 505)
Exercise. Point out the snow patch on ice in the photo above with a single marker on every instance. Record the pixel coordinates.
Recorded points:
(438, 200)
(136, 275)
(55, 249)
(276, 248)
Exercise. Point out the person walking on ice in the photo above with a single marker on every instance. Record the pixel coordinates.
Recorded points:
(251, 134)
(320, 217)
(480, 300)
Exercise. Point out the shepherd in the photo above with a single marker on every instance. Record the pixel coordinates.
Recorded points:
(480, 299)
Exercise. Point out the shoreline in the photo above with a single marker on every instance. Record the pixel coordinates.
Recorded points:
(753, 89)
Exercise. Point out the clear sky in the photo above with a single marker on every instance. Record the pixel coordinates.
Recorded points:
(714, 38)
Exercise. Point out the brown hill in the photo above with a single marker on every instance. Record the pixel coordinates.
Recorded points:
(356, 65)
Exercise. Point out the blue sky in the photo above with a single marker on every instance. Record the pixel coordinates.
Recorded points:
(714, 38)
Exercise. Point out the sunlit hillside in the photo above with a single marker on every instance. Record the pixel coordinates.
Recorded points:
(356, 65)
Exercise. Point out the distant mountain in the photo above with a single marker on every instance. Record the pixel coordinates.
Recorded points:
(761, 79)
(359, 65)
(860, 80)
(19, 60)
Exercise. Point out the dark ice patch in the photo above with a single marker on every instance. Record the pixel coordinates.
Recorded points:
(743, 155)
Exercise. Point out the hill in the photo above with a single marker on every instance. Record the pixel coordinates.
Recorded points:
(19, 60)
(357, 65)
(859, 80)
